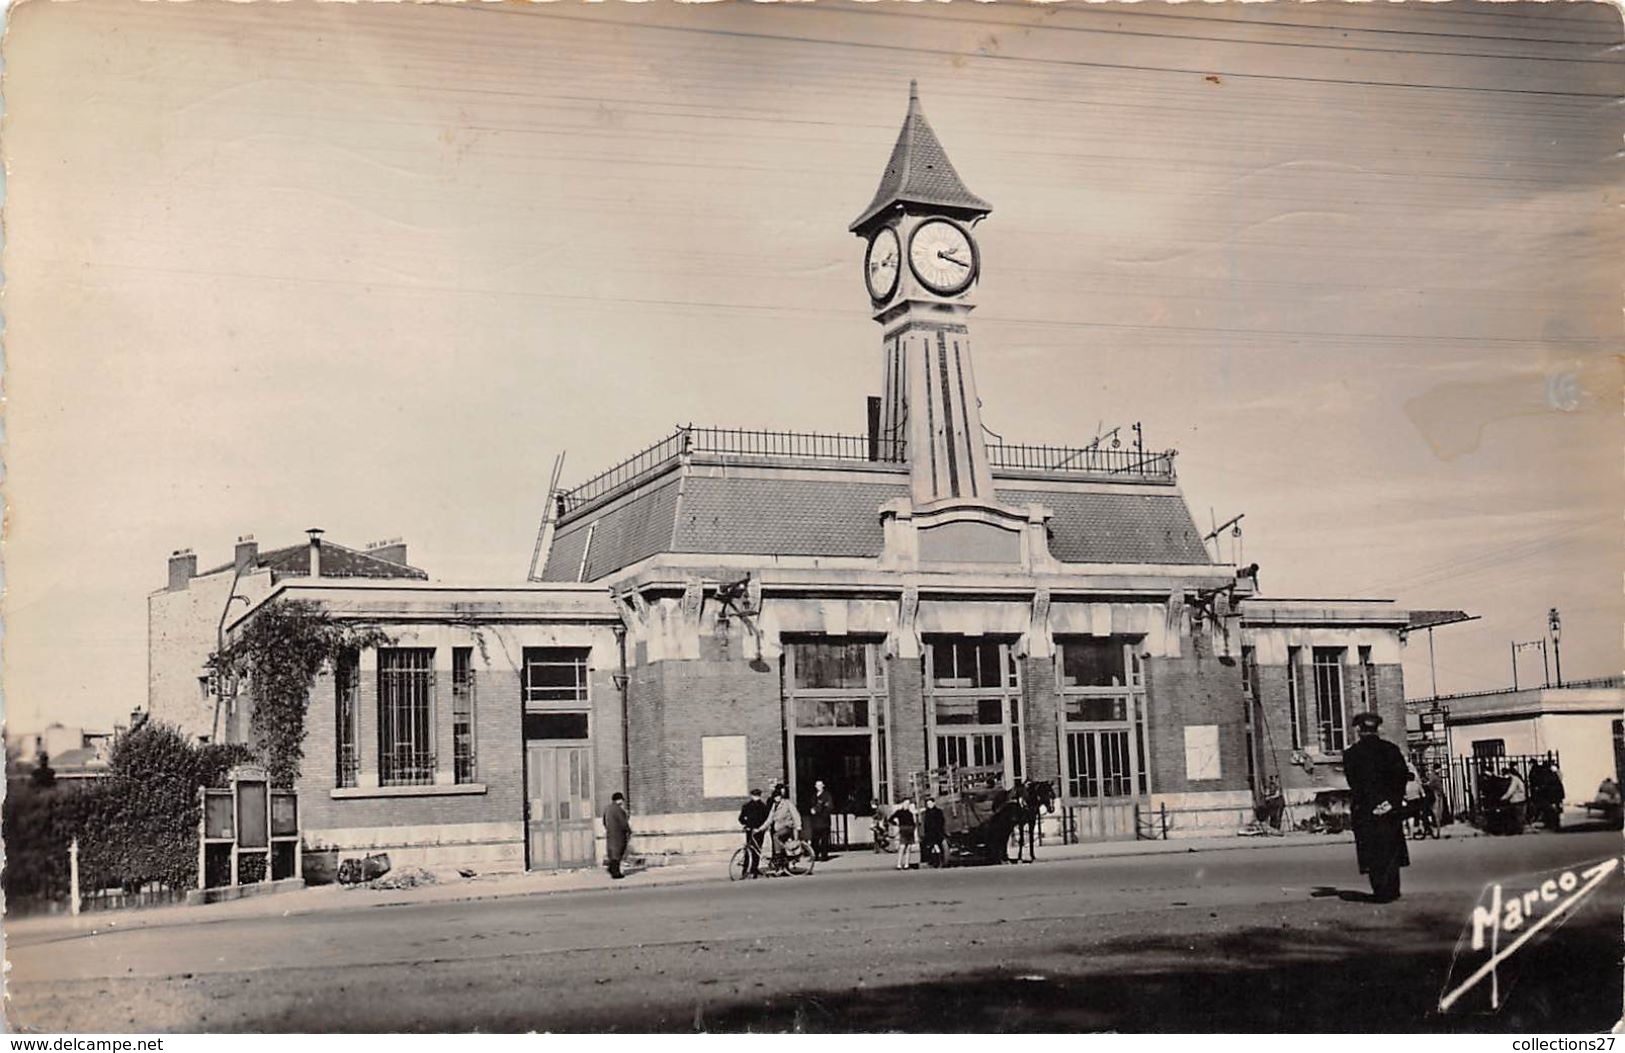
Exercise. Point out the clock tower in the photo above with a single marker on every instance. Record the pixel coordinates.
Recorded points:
(920, 265)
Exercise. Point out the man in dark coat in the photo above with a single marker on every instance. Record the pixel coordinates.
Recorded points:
(819, 810)
(617, 832)
(753, 817)
(933, 835)
(1377, 774)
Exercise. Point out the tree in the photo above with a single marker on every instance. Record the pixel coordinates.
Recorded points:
(280, 651)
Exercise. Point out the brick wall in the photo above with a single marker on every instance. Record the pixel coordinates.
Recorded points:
(1187, 691)
(498, 754)
(1275, 747)
(1041, 705)
(905, 679)
(676, 703)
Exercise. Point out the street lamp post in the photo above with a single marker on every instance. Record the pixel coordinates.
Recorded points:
(1555, 621)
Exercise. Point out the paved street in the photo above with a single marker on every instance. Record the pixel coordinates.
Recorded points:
(1231, 939)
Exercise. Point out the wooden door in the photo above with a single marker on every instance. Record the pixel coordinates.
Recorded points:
(559, 785)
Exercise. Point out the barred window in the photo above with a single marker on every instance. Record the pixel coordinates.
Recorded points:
(406, 716)
(462, 715)
(1329, 709)
(555, 674)
(346, 692)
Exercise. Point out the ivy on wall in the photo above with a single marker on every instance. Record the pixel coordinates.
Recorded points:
(280, 651)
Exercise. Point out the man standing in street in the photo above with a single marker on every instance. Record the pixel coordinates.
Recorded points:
(617, 832)
(753, 817)
(1376, 772)
(933, 835)
(818, 812)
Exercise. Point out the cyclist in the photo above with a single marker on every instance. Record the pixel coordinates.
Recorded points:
(783, 823)
(753, 817)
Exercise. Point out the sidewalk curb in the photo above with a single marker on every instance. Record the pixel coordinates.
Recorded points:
(691, 871)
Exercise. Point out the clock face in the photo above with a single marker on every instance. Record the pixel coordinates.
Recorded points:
(881, 264)
(943, 257)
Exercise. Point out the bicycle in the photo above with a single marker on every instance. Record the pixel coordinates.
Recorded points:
(798, 860)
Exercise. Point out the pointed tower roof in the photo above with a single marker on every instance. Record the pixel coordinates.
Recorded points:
(919, 172)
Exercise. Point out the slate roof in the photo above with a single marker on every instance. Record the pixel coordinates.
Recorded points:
(1095, 527)
(840, 517)
(787, 517)
(628, 531)
(337, 562)
(919, 172)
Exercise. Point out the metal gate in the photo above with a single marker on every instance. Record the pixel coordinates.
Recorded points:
(1469, 777)
(559, 788)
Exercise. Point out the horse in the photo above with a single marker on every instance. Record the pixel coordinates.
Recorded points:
(1036, 799)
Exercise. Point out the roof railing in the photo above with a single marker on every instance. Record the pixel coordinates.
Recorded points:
(821, 446)
(1094, 460)
(738, 442)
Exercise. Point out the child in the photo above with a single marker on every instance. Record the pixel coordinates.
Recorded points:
(903, 816)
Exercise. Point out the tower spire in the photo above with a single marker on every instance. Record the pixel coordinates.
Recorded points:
(919, 173)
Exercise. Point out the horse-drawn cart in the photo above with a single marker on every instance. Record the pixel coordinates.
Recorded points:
(979, 812)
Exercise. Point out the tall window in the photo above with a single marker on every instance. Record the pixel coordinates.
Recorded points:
(1329, 709)
(462, 714)
(1102, 685)
(346, 691)
(836, 688)
(555, 674)
(406, 716)
(974, 686)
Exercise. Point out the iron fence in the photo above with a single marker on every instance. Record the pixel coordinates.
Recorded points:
(832, 446)
(1084, 460)
(1474, 782)
(738, 442)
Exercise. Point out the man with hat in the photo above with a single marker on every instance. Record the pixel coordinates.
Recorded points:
(1376, 772)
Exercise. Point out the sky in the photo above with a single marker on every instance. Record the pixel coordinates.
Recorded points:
(371, 267)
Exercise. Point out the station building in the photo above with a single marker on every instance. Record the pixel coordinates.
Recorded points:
(728, 609)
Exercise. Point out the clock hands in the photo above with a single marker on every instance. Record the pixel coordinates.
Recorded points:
(951, 258)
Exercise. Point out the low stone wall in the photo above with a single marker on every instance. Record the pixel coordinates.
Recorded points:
(489, 848)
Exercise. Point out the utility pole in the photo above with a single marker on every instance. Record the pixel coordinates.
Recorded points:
(1516, 647)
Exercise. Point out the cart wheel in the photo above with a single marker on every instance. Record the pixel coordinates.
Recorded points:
(737, 865)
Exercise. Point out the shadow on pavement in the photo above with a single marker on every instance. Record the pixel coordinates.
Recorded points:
(1256, 979)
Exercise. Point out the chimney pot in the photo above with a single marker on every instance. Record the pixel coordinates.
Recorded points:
(248, 553)
(182, 568)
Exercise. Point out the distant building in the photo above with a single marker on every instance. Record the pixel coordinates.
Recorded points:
(184, 619)
(71, 752)
(1581, 722)
(730, 609)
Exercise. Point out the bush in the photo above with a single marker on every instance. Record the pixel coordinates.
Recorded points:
(136, 826)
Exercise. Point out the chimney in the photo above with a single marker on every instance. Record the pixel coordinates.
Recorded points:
(392, 550)
(874, 427)
(248, 553)
(182, 568)
(315, 551)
